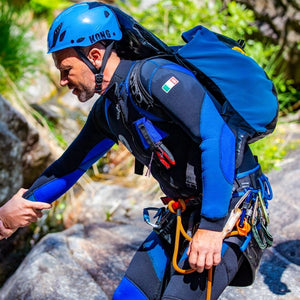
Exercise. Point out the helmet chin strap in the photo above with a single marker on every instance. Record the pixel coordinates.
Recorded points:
(98, 73)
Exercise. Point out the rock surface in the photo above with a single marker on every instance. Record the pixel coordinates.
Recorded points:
(23, 154)
(88, 260)
(10, 162)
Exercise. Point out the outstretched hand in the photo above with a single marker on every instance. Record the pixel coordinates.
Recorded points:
(205, 249)
(19, 212)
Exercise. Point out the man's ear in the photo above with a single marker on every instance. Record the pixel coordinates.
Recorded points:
(95, 56)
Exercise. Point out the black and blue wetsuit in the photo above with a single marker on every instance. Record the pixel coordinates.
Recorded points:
(203, 147)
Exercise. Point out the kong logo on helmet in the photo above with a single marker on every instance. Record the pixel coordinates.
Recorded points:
(102, 35)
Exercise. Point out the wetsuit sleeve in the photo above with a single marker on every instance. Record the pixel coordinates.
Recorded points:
(91, 144)
(192, 107)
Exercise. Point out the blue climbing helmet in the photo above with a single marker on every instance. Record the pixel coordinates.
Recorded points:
(84, 24)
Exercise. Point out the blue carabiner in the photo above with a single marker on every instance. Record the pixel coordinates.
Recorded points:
(158, 215)
(266, 190)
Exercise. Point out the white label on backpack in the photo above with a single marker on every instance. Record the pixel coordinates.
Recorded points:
(169, 84)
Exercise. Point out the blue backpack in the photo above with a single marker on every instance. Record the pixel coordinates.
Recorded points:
(245, 97)
(240, 86)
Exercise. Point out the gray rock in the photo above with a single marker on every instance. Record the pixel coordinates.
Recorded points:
(23, 154)
(53, 270)
(83, 262)
(10, 162)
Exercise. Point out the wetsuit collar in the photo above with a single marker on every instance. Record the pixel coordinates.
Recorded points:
(118, 76)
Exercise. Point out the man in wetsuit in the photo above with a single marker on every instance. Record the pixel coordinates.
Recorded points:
(84, 43)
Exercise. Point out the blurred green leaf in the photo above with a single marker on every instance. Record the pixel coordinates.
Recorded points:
(17, 58)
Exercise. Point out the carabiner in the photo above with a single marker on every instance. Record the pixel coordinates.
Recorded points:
(158, 215)
(263, 208)
(265, 186)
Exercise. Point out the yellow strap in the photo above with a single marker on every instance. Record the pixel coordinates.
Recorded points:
(239, 50)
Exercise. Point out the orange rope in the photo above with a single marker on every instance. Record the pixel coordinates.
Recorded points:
(180, 229)
(209, 283)
(180, 206)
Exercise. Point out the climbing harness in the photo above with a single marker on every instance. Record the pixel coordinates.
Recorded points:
(176, 207)
(248, 219)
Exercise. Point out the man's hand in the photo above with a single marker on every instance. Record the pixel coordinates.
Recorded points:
(19, 212)
(4, 232)
(205, 249)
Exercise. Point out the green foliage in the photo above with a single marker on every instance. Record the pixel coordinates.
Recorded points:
(51, 221)
(56, 133)
(288, 95)
(45, 8)
(270, 58)
(169, 18)
(272, 149)
(17, 59)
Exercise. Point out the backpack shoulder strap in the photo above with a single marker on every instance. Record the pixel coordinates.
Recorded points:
(141, 97)
(139, 94)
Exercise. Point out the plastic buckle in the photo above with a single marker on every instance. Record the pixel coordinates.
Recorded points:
(246, 242)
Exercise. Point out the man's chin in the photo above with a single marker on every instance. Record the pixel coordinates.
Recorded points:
(83, 97)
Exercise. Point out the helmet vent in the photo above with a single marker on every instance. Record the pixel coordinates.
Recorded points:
(106, 14)
(80, 39)
(62, 36)
(55, 34)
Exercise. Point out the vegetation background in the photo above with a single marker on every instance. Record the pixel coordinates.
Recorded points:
(20, 60)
